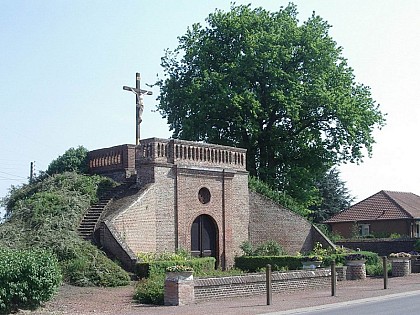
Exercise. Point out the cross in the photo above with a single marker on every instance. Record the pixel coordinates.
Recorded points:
(139, 104)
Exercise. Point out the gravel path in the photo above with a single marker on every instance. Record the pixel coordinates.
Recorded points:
(88, 301)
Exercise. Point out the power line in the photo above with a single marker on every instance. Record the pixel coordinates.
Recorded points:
(12, 175)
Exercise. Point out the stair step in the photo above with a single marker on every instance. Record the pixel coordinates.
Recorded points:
(89, 222)
(85, 232)
(91, 216)
(96, 207)
(94, 212)
(87, 226)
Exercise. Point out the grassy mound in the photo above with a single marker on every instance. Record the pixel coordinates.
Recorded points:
(46, 214)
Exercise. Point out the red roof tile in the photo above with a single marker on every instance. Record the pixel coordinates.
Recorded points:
(384, 205)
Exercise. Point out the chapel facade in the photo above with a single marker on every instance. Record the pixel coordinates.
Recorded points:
(192, 196)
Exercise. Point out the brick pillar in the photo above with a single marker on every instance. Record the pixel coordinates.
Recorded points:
(341, 273)
(179, 288)
(400, 267)
(356, 271)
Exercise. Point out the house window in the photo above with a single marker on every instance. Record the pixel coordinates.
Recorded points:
(417, 230)
(364, 229)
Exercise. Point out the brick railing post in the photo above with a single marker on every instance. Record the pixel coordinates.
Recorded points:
(179, 288)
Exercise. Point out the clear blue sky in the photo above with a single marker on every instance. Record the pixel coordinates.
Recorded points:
(63, 65)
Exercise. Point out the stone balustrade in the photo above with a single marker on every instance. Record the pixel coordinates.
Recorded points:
(190, 153)
(121, 161)
(114, 160)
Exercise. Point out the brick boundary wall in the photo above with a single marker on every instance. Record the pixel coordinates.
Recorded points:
(246, 285)
(383, 247)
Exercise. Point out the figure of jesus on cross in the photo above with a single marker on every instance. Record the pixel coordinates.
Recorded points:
(139, 104)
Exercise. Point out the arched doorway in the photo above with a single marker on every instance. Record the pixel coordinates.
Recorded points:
(204, 237)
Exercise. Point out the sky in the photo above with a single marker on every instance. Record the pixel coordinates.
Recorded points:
(63, 65)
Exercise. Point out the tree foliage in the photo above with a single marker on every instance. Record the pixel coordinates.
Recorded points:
(334, 196)
(73, 160)
(262, 81)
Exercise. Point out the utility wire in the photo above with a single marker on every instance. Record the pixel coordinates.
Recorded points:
(12, 175)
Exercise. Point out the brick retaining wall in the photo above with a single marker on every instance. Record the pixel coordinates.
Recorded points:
(215, 288)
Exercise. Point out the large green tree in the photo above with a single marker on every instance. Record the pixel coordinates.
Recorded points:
(73, 160)
(334, 195)
(279, 88)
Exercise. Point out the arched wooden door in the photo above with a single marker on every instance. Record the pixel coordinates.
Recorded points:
(204, 237)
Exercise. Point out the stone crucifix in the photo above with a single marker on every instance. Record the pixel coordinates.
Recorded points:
(139, 104)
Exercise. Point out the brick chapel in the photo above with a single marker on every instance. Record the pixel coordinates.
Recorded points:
(177, 194)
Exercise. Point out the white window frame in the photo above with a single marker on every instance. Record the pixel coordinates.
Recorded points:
(364, 229)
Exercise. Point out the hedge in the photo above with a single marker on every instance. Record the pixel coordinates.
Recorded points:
(144, 270)
(254, 263)
(27, 278)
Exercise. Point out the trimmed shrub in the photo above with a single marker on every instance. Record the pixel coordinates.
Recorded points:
(278, 263)
(27, 278)
(200, 265)
(254, 263)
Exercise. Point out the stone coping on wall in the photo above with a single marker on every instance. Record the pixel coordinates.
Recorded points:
(250, 284)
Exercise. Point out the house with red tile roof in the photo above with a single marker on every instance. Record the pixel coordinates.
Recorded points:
(382, 214)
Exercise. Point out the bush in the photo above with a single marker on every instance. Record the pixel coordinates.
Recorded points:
(340, 259)
(268, 248)
(151, 290)
(377, 270)
(416, 246)
(27, 278)
(200, 265)
(90, 267)
(247, 248)
(254, 263)
(179, 255)
(334, 237)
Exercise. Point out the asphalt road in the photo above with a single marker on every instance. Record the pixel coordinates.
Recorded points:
(401, 303)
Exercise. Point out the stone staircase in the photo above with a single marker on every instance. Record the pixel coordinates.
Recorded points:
(87, 226)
